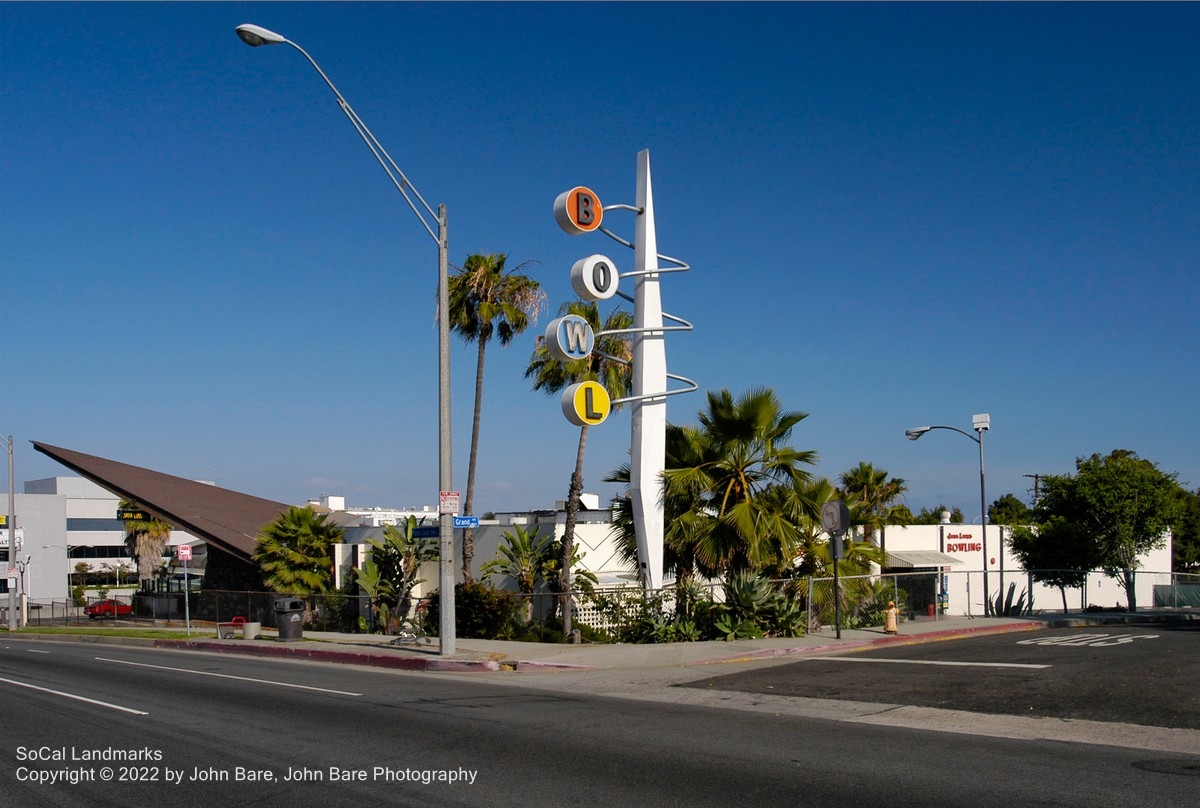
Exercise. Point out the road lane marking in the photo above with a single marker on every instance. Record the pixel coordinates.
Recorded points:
(933, 662)
(36, 651)
(75, 697)
(228, 676)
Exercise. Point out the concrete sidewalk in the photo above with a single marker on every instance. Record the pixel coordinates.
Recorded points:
(494, 655)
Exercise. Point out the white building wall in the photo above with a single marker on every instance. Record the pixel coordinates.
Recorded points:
(964, 581)
(43, 512)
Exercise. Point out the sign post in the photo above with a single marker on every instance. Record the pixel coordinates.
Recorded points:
(185, 555)
(835, 518)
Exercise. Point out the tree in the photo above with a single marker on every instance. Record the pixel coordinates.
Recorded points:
(1186, 549)
(146, 539)
(933, 516)
(608, 364)
(487, 300)
(872, 495)
(1008, 510)
(679, 534)
(390, 575)
(523, 556)
(295, 552)
(1056, 552)
(738, 452)
(1124, 504)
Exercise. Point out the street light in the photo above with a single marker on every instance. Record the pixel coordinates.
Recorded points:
(254, 36)
(981, 423)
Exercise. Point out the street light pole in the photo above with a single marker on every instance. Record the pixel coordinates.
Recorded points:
(981, 423)
(255, 36)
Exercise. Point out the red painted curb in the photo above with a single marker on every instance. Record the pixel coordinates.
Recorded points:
(316, 654)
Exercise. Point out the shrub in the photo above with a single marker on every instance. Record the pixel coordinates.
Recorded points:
(481, 612)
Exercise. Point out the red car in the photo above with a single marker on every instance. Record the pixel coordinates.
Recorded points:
(108, 608)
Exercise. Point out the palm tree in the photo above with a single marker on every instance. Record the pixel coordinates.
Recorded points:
(608, 364)
(487, 300)
(390, 575)
(523, 557)
(734, 495)
(146, 539)
(741, 468)
(295, 552)
(873, 495)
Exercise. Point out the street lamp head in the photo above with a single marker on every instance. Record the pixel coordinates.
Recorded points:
(255, 35)
(982, 422)
(916, 432)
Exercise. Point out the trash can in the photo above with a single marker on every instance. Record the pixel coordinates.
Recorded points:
(289, 616)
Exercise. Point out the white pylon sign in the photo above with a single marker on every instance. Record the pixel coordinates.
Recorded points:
(595, 278)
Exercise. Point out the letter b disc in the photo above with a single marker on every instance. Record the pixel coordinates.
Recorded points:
(578, 210)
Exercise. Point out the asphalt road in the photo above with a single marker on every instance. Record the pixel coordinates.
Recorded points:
(1149, 676)
(207, 729)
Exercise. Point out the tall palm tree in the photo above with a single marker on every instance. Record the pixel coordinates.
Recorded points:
(146, 540)
(874, 497)
(488, 300)
(295, 552)
(607, 364)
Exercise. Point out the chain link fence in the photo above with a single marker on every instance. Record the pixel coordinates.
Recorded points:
(621, 614)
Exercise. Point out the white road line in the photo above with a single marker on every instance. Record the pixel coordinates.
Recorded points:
(36, 651)
(931, 662)
(228, 676)
(73, 696)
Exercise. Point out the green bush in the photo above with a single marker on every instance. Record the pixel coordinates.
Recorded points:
(481, 612)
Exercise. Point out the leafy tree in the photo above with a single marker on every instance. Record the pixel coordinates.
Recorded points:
(523, 556)
(488, 300)
(872, 496)
(933, 516)
(146, 540)
(1056, 552)
(1123, 503)
(1186, 548)
(295, 552)
(1008, 510)
(608, 364)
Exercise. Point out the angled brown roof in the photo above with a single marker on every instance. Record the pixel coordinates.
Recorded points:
(225, 519)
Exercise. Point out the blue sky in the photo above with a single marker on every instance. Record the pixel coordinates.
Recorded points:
(896, 215)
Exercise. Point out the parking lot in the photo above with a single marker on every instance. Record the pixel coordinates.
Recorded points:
(1128, 674)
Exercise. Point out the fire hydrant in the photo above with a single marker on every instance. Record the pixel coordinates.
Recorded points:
(891, 616)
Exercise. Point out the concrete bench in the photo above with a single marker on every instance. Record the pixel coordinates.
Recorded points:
(230, 630)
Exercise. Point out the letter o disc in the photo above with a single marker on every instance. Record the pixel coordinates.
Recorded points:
(594, 278)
